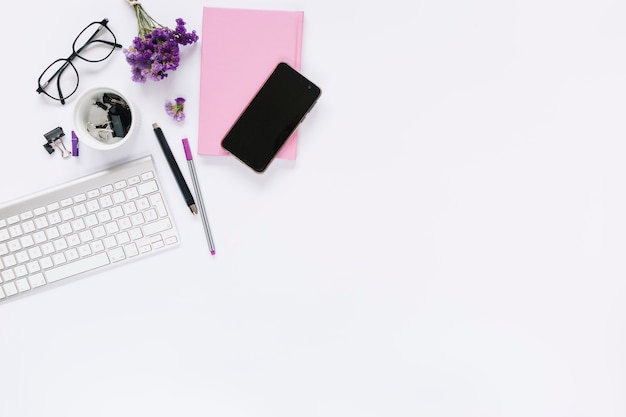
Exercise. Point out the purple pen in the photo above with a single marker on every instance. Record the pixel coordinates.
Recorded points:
(74, 144)
(199, 200)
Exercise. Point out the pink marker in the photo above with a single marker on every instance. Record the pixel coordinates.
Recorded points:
(199, 200)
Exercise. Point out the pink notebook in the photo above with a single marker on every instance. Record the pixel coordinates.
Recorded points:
(240, 49)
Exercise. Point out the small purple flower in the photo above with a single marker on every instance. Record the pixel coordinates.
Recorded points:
(175, 109)
(156, 50)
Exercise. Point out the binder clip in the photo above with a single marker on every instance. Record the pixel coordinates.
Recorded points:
(54, 140)
(114, 118)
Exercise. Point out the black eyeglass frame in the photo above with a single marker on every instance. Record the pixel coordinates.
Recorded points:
(76, 54)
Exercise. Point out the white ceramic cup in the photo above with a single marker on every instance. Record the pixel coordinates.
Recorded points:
(92, 122)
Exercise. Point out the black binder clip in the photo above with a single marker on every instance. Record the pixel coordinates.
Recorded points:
(54, 140)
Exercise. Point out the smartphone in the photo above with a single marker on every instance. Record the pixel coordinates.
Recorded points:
(271, 117)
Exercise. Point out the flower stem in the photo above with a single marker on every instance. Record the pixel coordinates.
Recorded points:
(145, 22)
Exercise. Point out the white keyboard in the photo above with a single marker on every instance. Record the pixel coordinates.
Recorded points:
(101, 219)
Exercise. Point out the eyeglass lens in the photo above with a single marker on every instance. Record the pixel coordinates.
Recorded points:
(95, 43)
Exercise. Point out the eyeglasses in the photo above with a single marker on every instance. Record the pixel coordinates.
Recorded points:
(91, 48)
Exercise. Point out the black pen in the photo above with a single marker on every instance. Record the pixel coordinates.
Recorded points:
(175, 169)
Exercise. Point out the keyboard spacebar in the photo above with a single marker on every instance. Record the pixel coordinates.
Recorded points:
(76, 267)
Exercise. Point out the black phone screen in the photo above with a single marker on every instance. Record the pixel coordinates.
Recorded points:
(271, 117)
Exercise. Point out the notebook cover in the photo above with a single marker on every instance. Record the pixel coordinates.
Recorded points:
(240, 49)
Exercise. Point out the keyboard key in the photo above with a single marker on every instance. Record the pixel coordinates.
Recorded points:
(21, 257)
(22, 285)
(71, 255)
(132, 193)
(46, 262)
(36, 280)
(39, 237)
(41, 222)
(131, 250)
(60, 244)
(65, 229)
(120, 184)
(150, 215)
(92, 205)
(78, 224)
(109, 242)
(10, 289)
(80, 210)
(85, 235)
(84, 250)
(91, 220)
(35, 252)
(93, 193)
(33, 267)
(106, 201)
(27, 241)
(7, 275)
(117, 212)
(142, 204)
(9, 261)
(97, 246)
(125, 223)
(156, 227)
(147, 187)
(47, 248)
(54, 218)
(119, 197)
(117, 254)
(15, 230)
(52, 233)
(104, 216)
(67, 214)
(20, 271)
(73, 268)
(122, 238)
(14, 245)
(28, 226)
(59, 258)
(157, 202)
(99, 232)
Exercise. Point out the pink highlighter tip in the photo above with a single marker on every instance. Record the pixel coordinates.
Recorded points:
(212, 252)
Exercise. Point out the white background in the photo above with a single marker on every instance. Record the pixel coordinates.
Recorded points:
(449, 242)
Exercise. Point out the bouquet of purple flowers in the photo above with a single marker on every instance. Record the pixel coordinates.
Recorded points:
(155, 51)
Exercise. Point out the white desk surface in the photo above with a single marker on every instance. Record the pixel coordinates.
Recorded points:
(450, 241)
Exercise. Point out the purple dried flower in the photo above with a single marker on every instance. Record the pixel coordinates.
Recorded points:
(175, 109)
(155, 51)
